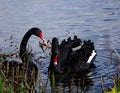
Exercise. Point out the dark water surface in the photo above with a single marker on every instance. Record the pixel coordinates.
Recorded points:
(98, 20)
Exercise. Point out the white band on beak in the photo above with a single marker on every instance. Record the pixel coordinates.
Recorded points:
(45, 42)
(55, 63)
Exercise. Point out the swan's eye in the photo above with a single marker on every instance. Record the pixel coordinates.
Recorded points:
(55, 60)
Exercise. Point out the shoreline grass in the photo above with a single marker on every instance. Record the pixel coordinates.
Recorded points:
(12, 84)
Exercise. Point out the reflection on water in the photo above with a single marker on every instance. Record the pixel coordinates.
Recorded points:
(97, 20)
(82, 81)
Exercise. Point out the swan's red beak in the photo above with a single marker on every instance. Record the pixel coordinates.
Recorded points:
(42, 37)
(55, 60)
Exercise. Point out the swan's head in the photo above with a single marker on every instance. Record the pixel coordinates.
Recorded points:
(55, 51)
(39, 33)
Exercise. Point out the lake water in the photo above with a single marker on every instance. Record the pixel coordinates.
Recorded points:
(98, 20)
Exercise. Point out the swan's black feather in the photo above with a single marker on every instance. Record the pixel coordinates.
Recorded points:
(72, 55)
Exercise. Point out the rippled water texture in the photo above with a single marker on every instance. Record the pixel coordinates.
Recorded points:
(98, 20)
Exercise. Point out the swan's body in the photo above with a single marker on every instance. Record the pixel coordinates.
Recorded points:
(71, 55)
(27, 67)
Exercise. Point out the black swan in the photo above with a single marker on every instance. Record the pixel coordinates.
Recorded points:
(27, 67)
(71, 55)
(72, 59)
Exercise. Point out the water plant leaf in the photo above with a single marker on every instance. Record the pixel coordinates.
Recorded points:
(53, 82)
(113, 90)
(21, 87)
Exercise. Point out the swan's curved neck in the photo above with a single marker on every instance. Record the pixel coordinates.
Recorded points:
(33, 31)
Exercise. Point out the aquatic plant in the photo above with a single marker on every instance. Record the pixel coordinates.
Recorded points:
(116, 78)
(116, 87)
